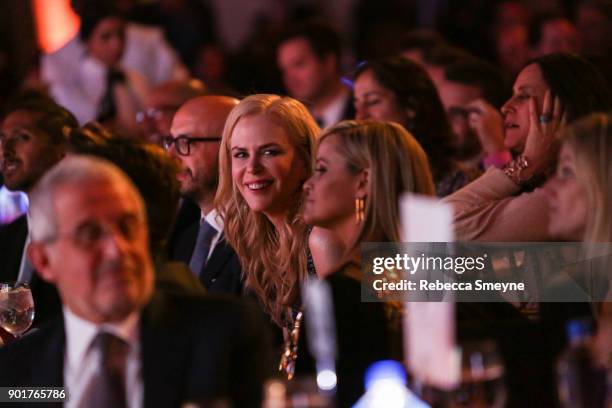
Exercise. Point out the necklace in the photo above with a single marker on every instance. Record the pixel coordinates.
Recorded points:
(292, 336)
(290, 353)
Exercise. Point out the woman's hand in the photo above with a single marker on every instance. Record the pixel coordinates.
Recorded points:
(541, 146)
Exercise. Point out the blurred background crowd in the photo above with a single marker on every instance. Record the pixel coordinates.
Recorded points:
(264, 141)
(230, 45)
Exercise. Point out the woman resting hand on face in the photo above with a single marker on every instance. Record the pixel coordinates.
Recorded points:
(550, 92)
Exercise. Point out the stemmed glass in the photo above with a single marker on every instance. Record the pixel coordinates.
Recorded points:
(16, 307)
(480, 383)
(482, 377)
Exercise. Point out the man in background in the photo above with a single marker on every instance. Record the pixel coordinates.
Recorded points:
(195, 140)
(472, 91)
(308, 57)
(32, 140)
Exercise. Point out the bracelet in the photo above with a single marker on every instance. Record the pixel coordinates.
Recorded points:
(514, 169)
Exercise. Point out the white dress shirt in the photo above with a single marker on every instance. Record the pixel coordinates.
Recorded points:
(25, 268)
(216, 222)
(332, 114)
(12, 204)
(146, 52)
(81, 362)
(82, 86)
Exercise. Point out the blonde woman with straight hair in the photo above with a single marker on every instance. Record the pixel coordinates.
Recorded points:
(361, 169)
(365, 166)
(265, 156)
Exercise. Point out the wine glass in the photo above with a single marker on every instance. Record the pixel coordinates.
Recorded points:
(482, 377)
(480, 381)
(16, 307)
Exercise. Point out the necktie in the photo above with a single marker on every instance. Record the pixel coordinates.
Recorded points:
(107, 109)
(108, 388)
(202, 247)
(319, 121)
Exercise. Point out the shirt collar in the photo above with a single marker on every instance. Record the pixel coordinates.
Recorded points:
(80, 333)
(28, 221)
(214, 219)
(333, 112)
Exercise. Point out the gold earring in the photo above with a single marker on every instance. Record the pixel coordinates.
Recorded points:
(359, 210)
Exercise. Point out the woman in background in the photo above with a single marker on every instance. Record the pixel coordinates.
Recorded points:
(501, 205)
(580, 193)
(399, 90)
(580, 201)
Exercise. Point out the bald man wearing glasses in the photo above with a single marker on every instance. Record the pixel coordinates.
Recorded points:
(195, 140)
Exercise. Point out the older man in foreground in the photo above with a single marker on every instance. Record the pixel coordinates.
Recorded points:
(118, 343)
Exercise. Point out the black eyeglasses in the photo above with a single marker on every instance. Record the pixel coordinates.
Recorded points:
(91, 234)
(182, 143)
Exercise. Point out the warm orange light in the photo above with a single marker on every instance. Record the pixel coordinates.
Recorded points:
(56, 23)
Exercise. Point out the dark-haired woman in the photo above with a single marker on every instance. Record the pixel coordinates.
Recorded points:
(399, 90)
(502, 204)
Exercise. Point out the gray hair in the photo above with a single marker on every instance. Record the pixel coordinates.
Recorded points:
(72, 170)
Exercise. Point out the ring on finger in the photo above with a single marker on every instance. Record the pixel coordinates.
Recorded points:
(545, 118)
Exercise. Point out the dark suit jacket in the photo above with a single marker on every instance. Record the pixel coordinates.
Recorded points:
(222, 272)
(187, 214)
(364, 335)
(12, 241)
(349, 109)
(194, 348)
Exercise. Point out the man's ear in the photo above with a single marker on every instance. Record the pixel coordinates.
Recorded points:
(38, 254)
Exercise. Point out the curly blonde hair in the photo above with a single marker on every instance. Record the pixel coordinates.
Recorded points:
(273, 260)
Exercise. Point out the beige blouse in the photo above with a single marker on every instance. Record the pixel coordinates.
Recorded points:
(488, 209)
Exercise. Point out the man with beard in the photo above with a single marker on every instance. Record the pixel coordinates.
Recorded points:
(118, 342)
(195, 139)
(471, 92)
(32, 140)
